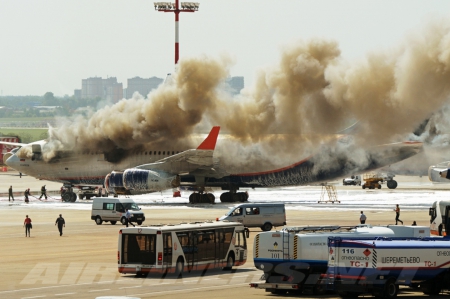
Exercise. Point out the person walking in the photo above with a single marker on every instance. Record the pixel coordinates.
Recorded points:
(10, 192)
(43, 192)
(61, 223)
(27, 225)
(397, 215)
(362, 218)
(26, 193)
(128, 216)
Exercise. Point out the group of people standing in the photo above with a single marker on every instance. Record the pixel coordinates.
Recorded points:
(28, 226)
(363, 218)
(26, 194)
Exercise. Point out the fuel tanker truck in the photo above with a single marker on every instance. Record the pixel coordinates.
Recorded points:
(294, 258)
(359, 266)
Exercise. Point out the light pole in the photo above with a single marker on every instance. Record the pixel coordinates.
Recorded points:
(174, 7)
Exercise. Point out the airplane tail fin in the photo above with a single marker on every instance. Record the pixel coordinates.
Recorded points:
(210, 142)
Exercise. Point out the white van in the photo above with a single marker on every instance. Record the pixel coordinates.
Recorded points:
(263, 215)
(113, 210)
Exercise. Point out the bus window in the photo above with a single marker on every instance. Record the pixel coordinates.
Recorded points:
(139, 249)
(206, 245)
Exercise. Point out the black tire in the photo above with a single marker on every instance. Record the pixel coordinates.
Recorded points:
(211, 198)
(390, 289)
(179, 267)
(139, 222)
(123, 220)
(392, 184)
(364, 186)
(431, 287)
(73, 197)
(113, 222)
(98, 220)
(66, 197)
(80, 196)
(230, 262)
(379, 186)
(266, 227)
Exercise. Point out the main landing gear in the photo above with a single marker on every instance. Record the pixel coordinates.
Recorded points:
(234, 197)
(224, 197)
(202, 198)
(68, 195)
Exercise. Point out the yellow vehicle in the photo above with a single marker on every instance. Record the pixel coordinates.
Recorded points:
(372, 181)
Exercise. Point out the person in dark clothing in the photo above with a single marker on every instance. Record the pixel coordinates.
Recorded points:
(10, 192)
(26, 193)
(61, 223)
(43, 192)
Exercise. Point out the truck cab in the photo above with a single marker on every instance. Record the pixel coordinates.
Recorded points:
(439, 218)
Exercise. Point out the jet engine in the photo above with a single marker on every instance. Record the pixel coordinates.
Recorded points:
(439, 173)
(140, 181)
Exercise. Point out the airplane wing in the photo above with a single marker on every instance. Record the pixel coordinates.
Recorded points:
(165, 173)
(189, 160)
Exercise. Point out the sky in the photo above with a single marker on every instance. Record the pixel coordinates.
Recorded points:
(50, 46)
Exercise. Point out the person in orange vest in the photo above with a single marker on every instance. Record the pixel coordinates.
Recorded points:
(397, 215)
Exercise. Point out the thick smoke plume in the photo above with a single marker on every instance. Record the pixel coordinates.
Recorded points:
(311, 94)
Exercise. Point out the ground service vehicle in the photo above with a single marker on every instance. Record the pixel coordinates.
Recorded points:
(440, 218)
(263, 215)
(294, 258)
(372, 181)
(380, 266)
(181, 247)
(113, 210)
(353, 180)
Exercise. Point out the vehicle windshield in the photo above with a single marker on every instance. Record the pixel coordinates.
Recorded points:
(229, 213)
(131, 206)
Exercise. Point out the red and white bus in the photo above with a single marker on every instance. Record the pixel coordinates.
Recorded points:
(181, 247)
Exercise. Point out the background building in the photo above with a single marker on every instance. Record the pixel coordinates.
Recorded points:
(141, 85)
(96, 87)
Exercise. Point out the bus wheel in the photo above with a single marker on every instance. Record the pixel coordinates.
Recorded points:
(98, 220)
(230, 262)
(179, 267)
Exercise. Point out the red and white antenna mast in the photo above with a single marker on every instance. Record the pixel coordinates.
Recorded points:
(174, 7)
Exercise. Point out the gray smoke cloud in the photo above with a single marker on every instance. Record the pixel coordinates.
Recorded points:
(294, 107)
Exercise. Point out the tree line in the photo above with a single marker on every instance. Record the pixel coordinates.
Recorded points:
(23, 106)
